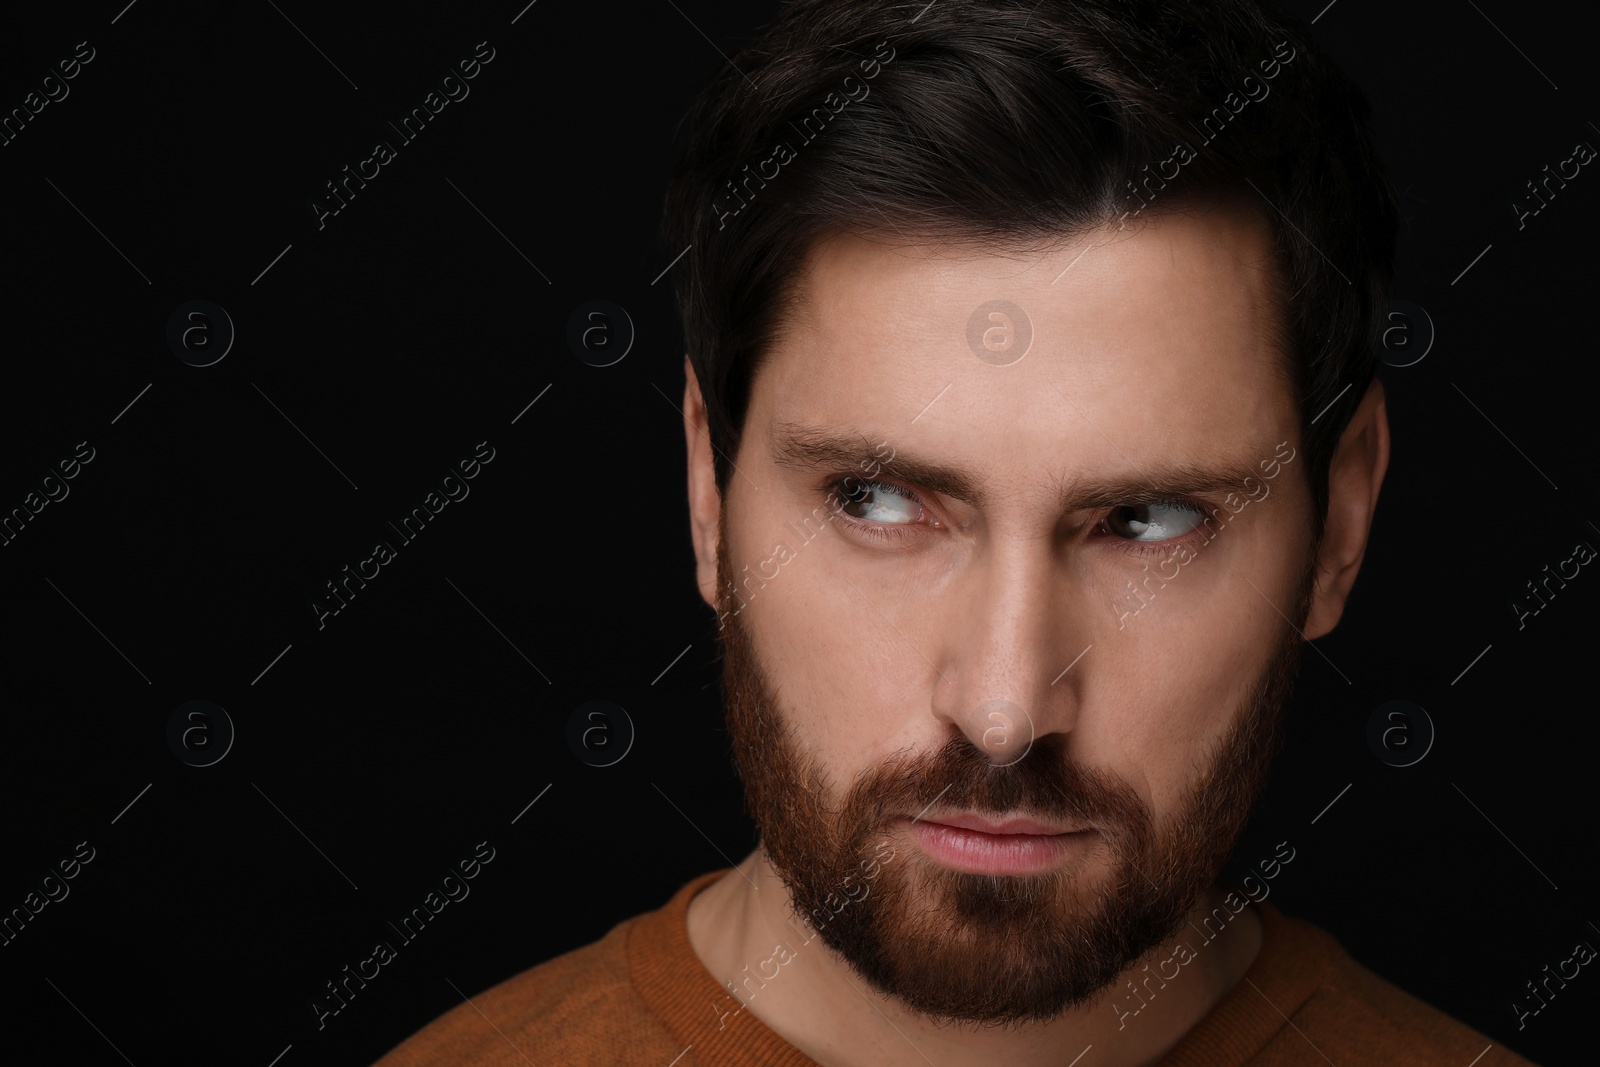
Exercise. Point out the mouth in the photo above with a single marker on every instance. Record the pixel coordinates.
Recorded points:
(1005, 846)
(1015, 824)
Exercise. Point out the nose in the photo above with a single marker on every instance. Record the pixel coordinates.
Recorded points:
(1002, 659)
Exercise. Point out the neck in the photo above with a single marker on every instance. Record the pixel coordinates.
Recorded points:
(744, 932)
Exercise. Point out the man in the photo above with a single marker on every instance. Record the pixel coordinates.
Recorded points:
(1032, 428)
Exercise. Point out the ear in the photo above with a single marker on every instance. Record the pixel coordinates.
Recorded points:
(1355, 475)
(705, 502)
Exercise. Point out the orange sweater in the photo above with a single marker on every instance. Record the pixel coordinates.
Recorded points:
(641, 996)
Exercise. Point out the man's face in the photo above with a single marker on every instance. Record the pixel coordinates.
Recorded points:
(1052, 636)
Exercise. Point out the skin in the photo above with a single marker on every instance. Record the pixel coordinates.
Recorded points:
(1151, 346)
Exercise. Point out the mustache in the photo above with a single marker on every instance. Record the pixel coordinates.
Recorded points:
(1046, 783)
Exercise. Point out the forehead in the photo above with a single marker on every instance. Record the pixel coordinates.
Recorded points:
(1156, 338)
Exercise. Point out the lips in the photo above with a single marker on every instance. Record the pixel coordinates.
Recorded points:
(1012, 825)
(1016, 846)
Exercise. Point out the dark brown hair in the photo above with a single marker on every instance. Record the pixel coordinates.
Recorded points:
(1019, 122)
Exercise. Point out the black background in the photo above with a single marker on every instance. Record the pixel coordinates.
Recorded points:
(427, 715)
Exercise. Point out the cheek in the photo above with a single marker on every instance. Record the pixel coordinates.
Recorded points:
(1167, 689)
(1147, 717)
(850, 685)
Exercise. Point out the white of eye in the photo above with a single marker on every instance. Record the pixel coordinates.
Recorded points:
(1154, 522)
(876, 502)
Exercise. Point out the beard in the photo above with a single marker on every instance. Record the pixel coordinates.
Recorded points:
(957, 947)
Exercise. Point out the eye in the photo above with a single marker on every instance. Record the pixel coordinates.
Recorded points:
(877, 502)
(1159, 521)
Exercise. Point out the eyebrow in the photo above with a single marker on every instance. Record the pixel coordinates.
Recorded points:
(803, 448)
